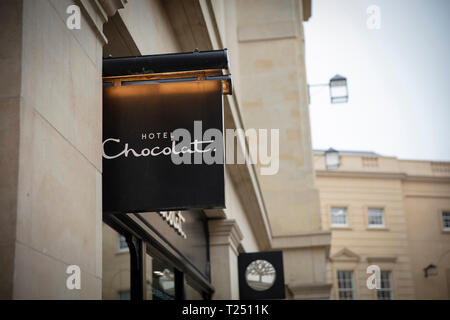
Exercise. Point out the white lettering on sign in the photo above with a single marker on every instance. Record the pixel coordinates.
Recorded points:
(206, 148)
(175, 220)
(156, 151)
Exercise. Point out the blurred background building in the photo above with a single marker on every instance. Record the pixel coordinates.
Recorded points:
(386, 212)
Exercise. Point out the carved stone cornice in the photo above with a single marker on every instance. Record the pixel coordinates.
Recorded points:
(302, 240)
(225, 232)
(381, 175)
(111, 6)
(345, 255)
(97, 12)
(381, 259)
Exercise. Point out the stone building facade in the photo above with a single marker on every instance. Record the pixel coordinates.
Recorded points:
(390, 213)
(51, 138)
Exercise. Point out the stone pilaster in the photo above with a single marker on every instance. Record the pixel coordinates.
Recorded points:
(224, 239)
(50, 198)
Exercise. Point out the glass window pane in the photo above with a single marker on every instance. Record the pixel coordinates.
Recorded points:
(160, 279)
(124, 295)
(446, 220)
(385, 292)
(376, 217)
(338, 216)
(345, 285)
(123, 246)
(339, 91)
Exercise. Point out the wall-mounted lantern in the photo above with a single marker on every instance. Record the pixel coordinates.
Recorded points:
(338, 89)
(332, 160)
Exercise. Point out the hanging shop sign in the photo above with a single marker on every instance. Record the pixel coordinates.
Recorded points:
(161, 140)
(261, 275)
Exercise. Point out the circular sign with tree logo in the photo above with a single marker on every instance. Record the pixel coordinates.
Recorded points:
(260, 275)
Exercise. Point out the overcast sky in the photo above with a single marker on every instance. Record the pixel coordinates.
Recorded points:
(398, 77)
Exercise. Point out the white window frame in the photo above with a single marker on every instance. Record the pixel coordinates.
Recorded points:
(390, 289)
(445, 213)
(352, 282)
(119, 242)
(383, 224)
(339, 225)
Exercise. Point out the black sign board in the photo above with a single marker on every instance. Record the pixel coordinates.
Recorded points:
(138, 121)
(261, 275)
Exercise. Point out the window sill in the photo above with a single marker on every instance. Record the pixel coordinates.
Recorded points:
(340, 228)
(123, 251)
(377, 229)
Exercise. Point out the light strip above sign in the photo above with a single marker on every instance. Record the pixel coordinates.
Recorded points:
(174, 67)
(197, 75)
